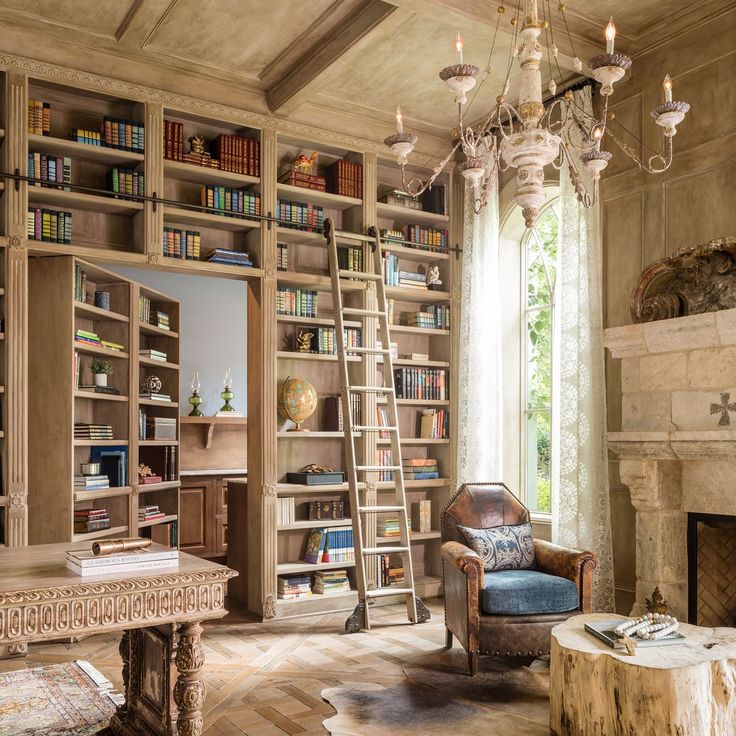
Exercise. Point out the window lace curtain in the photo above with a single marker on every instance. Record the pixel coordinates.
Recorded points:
(581, 509)
(480, 408)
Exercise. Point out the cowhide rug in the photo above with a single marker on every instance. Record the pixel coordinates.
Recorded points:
(504, 699)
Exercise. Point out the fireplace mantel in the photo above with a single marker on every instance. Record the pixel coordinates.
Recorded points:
(676, 446)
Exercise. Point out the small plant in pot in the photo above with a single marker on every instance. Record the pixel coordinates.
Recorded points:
(101, 370)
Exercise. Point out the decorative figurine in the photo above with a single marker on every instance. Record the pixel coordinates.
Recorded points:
(144, 471)
(312, 468)
(657, 604)
(304, 164)
(304, 341)
(151, 384)
(195, 399)
(196, 145)
(432, 277)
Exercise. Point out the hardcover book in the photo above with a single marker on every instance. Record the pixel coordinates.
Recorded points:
(604, 630)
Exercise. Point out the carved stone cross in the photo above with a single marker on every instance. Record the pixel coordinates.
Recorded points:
(723, 409)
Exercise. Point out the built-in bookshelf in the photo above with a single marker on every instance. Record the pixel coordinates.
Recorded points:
(86, 322)
(3, 405)
(108, 226)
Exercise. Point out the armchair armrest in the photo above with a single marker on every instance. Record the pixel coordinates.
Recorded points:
(463, 575)
(573, 564)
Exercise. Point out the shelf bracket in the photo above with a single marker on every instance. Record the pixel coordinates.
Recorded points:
(209, 433)
(270, 219)
(155, 202)
(17, 181)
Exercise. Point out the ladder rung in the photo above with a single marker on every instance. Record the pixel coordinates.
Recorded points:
(362, 312)
(371, 551)
(381, 509)
(369, 351)
(380, 592)
(368, 428)
(371, 389)
(344, 274)
(376, 468)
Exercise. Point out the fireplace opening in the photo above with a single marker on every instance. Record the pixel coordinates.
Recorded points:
(711, 555)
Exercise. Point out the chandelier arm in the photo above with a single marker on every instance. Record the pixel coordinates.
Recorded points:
(655, 164)
(584, 196)
(412, 188)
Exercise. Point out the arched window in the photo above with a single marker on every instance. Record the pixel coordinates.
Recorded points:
(539, 265)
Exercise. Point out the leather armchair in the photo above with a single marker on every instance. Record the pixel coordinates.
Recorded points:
(483, 505)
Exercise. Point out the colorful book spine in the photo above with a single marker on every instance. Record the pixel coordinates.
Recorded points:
(50, 170)
(125, 135)
(426, 238)
(296, 215)
(184, 244)
(230, 201)
(431, 384)
(39, 117)
(49, 226)
(296, 302)
(282, 257)
(126, 181)
(345, 178)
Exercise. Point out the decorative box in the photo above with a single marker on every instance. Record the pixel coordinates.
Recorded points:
(320, 510)
(316, 479)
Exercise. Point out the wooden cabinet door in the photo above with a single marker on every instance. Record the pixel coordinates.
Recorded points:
(221, 484)
(221, 535)
(194, 530)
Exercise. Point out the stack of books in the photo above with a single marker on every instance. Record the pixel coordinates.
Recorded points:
(183, 244)
(419, 319)
(149, 513)
(331, 581)
(161, 428)
(296, 302)
(420, 468)
(87, 338)
(399, 198)
(84, 431)
(52, 169)
(412, 280)
(388, 575)
(390, 527)
(110, 345)
(125, 181)
(293, 587)
(345, 178)
(433, 424)
(282, 257)
(154, 396)
(229, 257)
(90, 520)
(285, 512)
(155, 557)
(161, 320)
(308, 217)
(152, 354)
(230, 201)
(91, 482)
(39, 117)
(49, 226)
(293, 178)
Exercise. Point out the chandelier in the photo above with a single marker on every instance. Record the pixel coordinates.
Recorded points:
(530, 136)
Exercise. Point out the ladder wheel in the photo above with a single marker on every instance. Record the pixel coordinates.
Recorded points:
(355, 622)
(423, 614)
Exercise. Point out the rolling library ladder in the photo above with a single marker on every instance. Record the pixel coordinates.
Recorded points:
(417, 612)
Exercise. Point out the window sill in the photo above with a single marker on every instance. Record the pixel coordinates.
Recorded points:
(539, 518)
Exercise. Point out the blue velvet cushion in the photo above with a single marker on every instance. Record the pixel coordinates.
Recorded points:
(527, 592)
(502, 547)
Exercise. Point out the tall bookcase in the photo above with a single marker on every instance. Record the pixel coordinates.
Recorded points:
(109, 229)
(59, 371)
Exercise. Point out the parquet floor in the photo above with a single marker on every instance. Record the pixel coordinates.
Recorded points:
(266, 679)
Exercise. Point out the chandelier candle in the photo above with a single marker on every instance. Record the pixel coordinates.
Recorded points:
(530, 136)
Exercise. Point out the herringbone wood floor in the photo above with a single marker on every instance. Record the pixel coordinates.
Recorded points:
(266, 679)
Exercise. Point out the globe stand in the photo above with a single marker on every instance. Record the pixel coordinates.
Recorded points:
(298, 428)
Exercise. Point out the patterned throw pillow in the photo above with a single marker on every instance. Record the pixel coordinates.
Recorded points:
(502, 547)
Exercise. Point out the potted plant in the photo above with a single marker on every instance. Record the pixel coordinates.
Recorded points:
(101, 370)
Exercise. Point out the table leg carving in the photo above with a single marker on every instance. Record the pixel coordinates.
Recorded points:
(189, 690)
(124, 649)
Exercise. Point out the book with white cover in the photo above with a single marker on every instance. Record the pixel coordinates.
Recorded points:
(149, 566)
(604, 630)
(85, 558)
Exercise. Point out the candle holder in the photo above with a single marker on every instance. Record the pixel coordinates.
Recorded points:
(608, 69)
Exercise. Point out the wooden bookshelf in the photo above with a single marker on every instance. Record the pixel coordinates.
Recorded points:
(56, 311)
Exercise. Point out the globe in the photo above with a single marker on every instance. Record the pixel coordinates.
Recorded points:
(297, 401)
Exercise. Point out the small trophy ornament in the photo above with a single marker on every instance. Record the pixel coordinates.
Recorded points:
(432, 277)
(195, 399)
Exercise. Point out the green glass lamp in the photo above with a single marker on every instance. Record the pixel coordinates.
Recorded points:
(227, 394)
(195, 399)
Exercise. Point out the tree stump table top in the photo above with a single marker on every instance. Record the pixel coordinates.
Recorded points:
(673, 689)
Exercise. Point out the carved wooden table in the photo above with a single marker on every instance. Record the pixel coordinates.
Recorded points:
(159, 614)
(671, 690)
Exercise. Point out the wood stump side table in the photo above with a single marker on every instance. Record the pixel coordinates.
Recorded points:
(687, 689)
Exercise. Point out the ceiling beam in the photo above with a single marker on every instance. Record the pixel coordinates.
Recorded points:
(301, 81)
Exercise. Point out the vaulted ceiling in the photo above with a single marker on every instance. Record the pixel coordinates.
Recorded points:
(317, 60)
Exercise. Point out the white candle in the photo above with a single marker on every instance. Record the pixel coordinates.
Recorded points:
(667, 84)
(459, 47)
(610, 35)
(399, 121)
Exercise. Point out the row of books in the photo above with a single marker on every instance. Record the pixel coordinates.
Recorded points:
(324, 340)
(308, 217)
(151, 316)
(420, 468)
(126, 135)
(296, 302)
(152, 354)
(80, 284)
(345, 178)
(150, 513)
(235, 201)
(428, 238)
(285, 510)
(384, 459)
(331, 581)
(49, 226)
(51, 169)
(330, 545)
(433, 424)
(39, 117)
(181, 243)
(91, 520)
(90, 431)
(282, 257)
(421, 383)
(432, 316)
(84, 562)
(86, 337)
(393, 276)
(350, 259)
(229, 257)
(126, 181)
(388, 575)
(159, 428)
(333, 417)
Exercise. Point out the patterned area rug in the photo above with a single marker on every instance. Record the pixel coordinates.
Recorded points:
(71, 699)
(438, 699)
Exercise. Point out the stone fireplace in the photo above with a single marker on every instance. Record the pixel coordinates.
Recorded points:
(677, 455)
